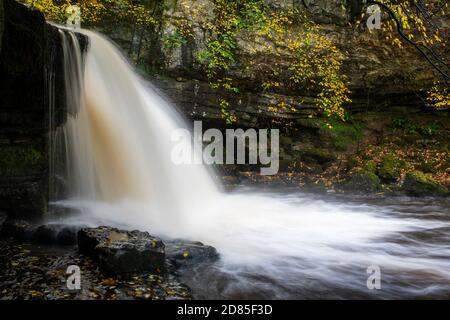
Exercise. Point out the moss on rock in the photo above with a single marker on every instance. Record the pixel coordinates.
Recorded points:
(362, 181)
(340, 134)
(390, 168)
(370, 166)
(20, 160)
(418, 183)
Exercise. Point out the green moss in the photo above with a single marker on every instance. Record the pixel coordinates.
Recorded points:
(18, 160)
(418, 183)
(174, 40)
(370, 166)
(417, 126)
(341, 134)
(390, 167)
(362, 181)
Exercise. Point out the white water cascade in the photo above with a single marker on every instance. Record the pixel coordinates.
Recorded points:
(117, 142)
(118, 136)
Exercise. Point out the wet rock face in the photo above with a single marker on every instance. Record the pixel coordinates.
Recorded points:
(45, 234)
(362, 181)
(18, 229)
(184, 254)
(27, 44)
(380, 75)
(56, 234)
(31, 59)
(122, 252)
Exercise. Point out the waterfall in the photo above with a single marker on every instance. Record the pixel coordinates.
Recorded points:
(117, 147)
(61, 143)
(117, 136)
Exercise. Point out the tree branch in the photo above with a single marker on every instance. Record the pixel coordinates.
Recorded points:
(400, 30)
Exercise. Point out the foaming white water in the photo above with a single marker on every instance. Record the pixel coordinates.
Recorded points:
(122, 174)
(291, 242)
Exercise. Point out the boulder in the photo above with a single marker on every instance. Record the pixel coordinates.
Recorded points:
(32, 58)
(58, 234)
(418, 183)
(184, 254)
(122, 252)
(67, 236)
(389, 170)
(361, 181)
(46, 234)
(18, 229)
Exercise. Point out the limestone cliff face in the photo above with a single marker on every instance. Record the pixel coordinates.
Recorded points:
(380, 75)
(30, 64)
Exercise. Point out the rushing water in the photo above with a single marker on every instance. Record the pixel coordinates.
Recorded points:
(272, 244)
(291, 245)
(118, 142)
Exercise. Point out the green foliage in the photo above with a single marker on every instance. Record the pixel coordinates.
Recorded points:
(438, 96)
(399, 123)
(428, 31)
(96, 11)
(410, 127)
(314, 61)
(227, 115)
(174, 40)
(343, 134)
(419, 29)
(219, 54)
(431, 129)
(370, 166)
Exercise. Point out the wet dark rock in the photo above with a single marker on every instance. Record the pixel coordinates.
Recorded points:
(31, 59)
(67, 236)
(58, 234)
(34, 272)
(46, 234)
(183, 254)
(18, 229)
(3, 218)
(122, 252)
(362, 181)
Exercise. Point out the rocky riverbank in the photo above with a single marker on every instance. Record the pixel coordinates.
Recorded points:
(391, 153)
(113, 263)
